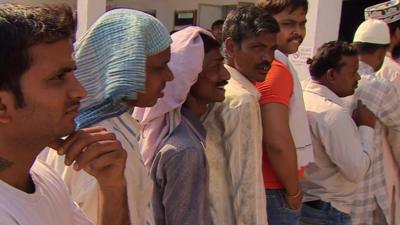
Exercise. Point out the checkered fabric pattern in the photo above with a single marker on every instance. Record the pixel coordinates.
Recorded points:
(381, 98)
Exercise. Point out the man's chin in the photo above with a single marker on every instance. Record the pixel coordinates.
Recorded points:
(68, 130)
(293, 49)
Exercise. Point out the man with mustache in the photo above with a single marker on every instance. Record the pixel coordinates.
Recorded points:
(286, 136)
(343, 146)
(39, 100)
(173, 134)
(234, 132)
(371, 205)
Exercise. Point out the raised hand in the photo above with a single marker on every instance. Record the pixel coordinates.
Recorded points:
(98, 152)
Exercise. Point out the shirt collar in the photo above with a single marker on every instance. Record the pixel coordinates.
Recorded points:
(321, 90)
(243, 81)
(281, 57)
(194, 122)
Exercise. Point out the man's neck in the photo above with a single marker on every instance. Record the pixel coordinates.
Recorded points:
(367, 60)
(198, 108)
(16, 160)
(232, 64)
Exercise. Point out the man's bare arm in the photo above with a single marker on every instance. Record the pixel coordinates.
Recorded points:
(278, 142)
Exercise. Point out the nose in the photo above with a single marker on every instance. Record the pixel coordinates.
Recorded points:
(167, 75)
(300, 29)
(76, 89)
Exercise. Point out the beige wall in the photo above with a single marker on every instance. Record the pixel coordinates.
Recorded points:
(38, 2)
(166, 8)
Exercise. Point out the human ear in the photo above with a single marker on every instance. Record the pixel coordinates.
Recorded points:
(6, 103)
(330, 75)
(229, 47)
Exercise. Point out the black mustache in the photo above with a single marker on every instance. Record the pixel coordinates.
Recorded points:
(222, 83)
(296, 37)
(264, 65)
(71, 103)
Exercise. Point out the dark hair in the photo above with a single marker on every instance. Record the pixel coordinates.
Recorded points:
(393, 27)
(277, 6)
(217, 23)
(368, 48)
(22, 27)
(329, 56)
(209, 43)
(248, 21)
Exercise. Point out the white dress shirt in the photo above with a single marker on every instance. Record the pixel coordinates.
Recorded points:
(342, 151)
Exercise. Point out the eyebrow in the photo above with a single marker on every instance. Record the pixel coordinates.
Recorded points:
(65, 69)
(293, 21)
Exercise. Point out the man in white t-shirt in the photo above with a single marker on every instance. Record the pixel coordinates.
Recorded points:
(39, 100)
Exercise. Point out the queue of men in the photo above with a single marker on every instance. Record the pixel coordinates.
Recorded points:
(222, 131)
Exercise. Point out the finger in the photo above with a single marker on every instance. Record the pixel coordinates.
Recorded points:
(114, 158)
(73, 137)
(82, 142)
(94, 151)
(56, 144)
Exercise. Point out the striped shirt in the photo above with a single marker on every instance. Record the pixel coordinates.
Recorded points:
(381, 98)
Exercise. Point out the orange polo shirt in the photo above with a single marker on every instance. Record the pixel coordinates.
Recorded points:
(277, 88)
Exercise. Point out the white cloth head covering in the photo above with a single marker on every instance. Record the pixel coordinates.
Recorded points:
(158, 122)
(388, 11)
(373, 31)
(111, 61)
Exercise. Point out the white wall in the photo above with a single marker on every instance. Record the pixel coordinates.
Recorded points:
(72, 3)
(166, 8)
(208, 14)
(88, 13)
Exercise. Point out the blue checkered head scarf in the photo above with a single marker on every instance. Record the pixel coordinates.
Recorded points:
(111, 61)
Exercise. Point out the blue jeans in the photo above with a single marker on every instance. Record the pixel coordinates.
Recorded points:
(278, 211)
(325, 214)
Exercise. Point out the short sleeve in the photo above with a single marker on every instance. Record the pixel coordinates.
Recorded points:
(278, 85)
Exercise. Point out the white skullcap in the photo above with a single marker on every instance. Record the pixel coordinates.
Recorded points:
(373, 31)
